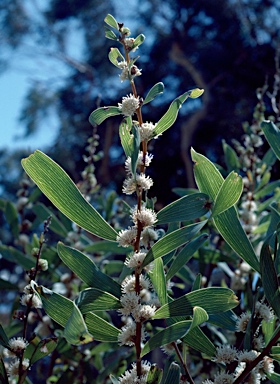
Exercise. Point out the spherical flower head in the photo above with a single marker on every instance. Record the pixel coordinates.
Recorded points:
(226, 354)
(140, 161)
(13, 369)
(129, 301)
(247, 356)
(128, 284)
(17, 345)
(265, 367)
(242, 322)
(146, 216)
(31, 300)
(223, 378)
(136, 260)
(146, 131)
(131, 184)
(128, 334)
(127, 237)
(130, 376)
(149, 236)
(143, 312)
(129, 105)
(43, 264)
(264, 311)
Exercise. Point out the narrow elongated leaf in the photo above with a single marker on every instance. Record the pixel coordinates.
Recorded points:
(43, 213)
(67, 314)
(195, 93)
(173, 374)
(85, 268)
(226, 320)
(268, 189)
(63, 193)
(166, 336)
(138, 41)
(93, 299)
(105, 247)
(170, 116)
(158, 280)
(100, 114)
(197, 340)
(37, 349)
(110, 34)
(135, 150)
(209, 181)
(100, 329)
(4, 340)
(231, 158)
(13, 254)
(172, 241)
(184, 209)
(212, 300)
(3, 374)
(110, 20)
(12, 218)
(185, 255)
(269, 279)
(273, 377)
(156, 90)
(125, 136)
(228, 194)
(272, 134)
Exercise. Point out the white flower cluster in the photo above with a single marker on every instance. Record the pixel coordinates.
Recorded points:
(30, 298)
(129, 105)
(15, 349)
(248, 214)
(128, 73)
(130, 376)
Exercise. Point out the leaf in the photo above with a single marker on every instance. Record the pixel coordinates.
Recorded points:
(158, 280)
(86, 269)
(267, 189)
(209, 181)
(269, 279)
(43, 213)
(173, 374)
(184, 209)
(63, 193)
(197, 340)
(5, 284)
(105, 247)
(100, 329)
(3, 374)
(228, 194)
(195, 93)
(199, 317)
(154, 375)
(12, 218)
(168, 335)
(93, 299)
(114, 55)
(100, 114)
(272, 134)
(156, 90)
(231, 158)
(110, 34)
(125, 136)
(185, 255)
(212, 300)
(12, 254)
(65, 313)
(110, 20)
(4, 340)
(138, 41)
(35, 349)
(172, 241)
(226, 320)
(170, 116)
(135, 150)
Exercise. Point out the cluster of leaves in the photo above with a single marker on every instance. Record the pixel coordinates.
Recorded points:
(203, 236)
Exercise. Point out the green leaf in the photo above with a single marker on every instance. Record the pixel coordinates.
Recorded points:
(85, 268)
(267, 189)
(168, 335)
(231, 158)
(170, 116)
(186, 208)
(269, 279)
(125, 136)
(3, 374)
(105, 247)
(100, 329)
(4, 340)
(197, 283)
(110, 34)
(197, 340)
(185, 255)
(93, 299)
(212, 300)
(272, 134)
(226, 320)
(12, 254)
(172, 241)
(43, 213)
(33, 351)
(154, 375)
(158, 280)
(195, 93)
(173, 374)
(228, 194)
(209, 181)
(156, 90)
(273, 377)
(269, 158)
(63, 193)
(100, 114)
(138, 41)
(110, 20)
(12, 218)
(5, 284)
(115, 57)
(199, 317)
(135, 150)
(65, 313)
